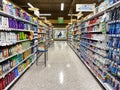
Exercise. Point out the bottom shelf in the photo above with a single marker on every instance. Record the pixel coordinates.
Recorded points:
(19, 75)
(105, 85)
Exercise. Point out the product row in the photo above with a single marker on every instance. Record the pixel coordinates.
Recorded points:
(113, 19)
(114, 28)
(16, 11)
(16, 72)
(14, 61)
(99, 43)
(104, 6)
(94, 49)
(12, 50)
(102, 68)
(114, 42)
(97, 37)
(7, 38)
(7, 22)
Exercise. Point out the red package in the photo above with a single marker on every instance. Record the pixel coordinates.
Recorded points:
(8, 78)
(1, 88)
(3, 83)
(6, 81)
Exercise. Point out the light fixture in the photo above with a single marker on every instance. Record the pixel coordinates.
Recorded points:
(33, 9)
(30, 5)
(45, 14)
(62, 6)
(70, 14)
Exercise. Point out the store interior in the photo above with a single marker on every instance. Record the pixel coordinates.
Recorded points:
(59, 44)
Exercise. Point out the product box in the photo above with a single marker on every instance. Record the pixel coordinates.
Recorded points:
(16, 72)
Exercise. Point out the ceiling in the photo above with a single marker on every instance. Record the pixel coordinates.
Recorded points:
(53, 7)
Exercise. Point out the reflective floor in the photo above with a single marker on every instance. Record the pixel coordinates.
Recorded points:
(64, 71)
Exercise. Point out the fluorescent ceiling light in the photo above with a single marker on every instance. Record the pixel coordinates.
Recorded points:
(45, 14)
(70, 14)
(62, 6)
(30, 5)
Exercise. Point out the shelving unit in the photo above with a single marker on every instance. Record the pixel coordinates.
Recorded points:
(74, 34)
(18, 44)
(19, 75)
(44, 40)
(99, 45)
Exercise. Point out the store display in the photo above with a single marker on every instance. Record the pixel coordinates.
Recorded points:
(44, 38)
(99, 44)
(10, 38)
(13, 50)
(17, 12)
(18, 47)
(4, 82)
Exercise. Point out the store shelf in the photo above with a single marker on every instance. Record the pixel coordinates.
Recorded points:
(105, 85)
(21, 73)
(99, 67)
(114, 48)
(91, 25)
(91, 39)
(15, 54)
(114, 35)
(41, 33)
(97, 46)
(102, 12)
(12, 43)
(92, 32)
(88, 46)
(12, 16)
(104, 70)
(14, 29)
(94, 24)
(15, 66)
(93, 51)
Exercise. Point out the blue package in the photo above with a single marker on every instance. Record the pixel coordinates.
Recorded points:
(114, 70)
(111, 2)
(117, 29)
(16, 71)
(110, 42)
(114, 55)
(118, 43)
(113, 28)
(110, 54)
(118, 73)
(118, 57)
(110, 29)
(115, 42)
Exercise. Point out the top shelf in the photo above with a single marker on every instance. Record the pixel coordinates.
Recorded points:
(102, 12)
(18, 18)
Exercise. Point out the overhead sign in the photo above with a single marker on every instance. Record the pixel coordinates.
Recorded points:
(85, 7)
(60, 20)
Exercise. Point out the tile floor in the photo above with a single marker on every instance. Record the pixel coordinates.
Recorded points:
(64, 71)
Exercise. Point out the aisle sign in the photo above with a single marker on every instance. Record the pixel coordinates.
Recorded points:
(60, 20)
(85, 7)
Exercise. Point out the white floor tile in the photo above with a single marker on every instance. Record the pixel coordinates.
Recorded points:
(64, 71)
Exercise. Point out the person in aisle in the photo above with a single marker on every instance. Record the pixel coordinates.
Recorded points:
(59, 35)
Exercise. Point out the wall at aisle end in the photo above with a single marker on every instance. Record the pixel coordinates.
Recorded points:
(60, 34)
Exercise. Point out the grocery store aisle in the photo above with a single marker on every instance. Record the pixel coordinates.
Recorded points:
(64, 71)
